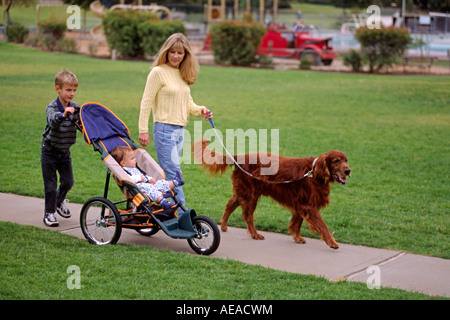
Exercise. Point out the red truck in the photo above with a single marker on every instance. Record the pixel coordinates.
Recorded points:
(280, 42)
(295, 44)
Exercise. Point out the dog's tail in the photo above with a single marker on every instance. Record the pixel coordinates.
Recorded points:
(214, 162)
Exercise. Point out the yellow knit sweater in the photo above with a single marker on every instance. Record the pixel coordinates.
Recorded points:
(168, 96)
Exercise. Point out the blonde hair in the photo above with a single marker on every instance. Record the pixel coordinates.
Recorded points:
(66, 77)
(189, 66)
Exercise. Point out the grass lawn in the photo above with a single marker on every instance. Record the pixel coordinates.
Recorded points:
(27, 15)
(393, 129)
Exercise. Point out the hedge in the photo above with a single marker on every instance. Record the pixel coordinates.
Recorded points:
(120, 28)
(16, 32)
(236, 42)
(382, 46)
(52, 32)
(137, 34)
(154, 33)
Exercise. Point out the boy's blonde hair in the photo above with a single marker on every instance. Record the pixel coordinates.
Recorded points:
(66, 77)
(189, 66)
(119, 153)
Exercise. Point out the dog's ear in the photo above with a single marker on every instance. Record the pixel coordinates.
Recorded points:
(321, 169)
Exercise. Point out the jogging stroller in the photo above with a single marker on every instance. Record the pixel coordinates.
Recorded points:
(102, 220)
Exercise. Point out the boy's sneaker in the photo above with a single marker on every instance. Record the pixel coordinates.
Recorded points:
(62, 210)
(50, 219)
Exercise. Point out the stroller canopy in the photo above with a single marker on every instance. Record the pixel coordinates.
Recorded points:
(100, 123)
(103, 128)
(105, 131)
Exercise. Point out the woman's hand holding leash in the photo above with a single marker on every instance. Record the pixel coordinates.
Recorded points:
(207, 114)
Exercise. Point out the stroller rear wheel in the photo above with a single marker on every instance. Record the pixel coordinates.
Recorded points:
(100, 221)
(207, 239)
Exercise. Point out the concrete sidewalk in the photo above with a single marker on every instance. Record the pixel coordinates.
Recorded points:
(396, 269)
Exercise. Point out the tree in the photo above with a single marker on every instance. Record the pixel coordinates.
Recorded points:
(10, 3)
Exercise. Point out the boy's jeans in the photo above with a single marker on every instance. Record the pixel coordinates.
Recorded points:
(168, 141)
(52, 161)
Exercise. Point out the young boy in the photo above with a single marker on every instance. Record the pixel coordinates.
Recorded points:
(148, 185)
(59, 135)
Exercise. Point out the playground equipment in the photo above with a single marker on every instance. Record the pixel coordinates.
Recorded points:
(216, 13)
(99, 10)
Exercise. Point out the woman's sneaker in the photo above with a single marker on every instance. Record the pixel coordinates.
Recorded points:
(62, 210)
(50, 219)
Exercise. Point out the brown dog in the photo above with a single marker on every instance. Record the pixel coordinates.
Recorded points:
(303, 196)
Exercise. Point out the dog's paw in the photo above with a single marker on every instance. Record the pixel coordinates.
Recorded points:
(299, 239)
(223, 226)
(334, 245)
(258, 236)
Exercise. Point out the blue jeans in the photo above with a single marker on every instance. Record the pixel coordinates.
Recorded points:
(168, 141)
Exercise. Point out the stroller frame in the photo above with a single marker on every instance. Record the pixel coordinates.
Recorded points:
(102, 220)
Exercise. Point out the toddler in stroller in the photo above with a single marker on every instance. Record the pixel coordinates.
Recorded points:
(156, 190)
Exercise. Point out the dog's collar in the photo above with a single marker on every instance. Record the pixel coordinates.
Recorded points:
(310, 172)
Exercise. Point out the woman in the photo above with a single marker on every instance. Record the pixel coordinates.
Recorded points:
(167, 95)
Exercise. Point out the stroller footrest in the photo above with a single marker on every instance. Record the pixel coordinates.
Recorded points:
(179, 228)
(171, 224)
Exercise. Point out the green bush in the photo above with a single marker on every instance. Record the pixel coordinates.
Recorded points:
(68, 45)
(354, 59)
(265, 61)
(121, 30)
(52, 31)
(154, 33)
(382, 46)
(235, 42)
(16, 32)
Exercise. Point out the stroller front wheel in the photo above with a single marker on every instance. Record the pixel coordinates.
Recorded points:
(100, 221)
(207, 239)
